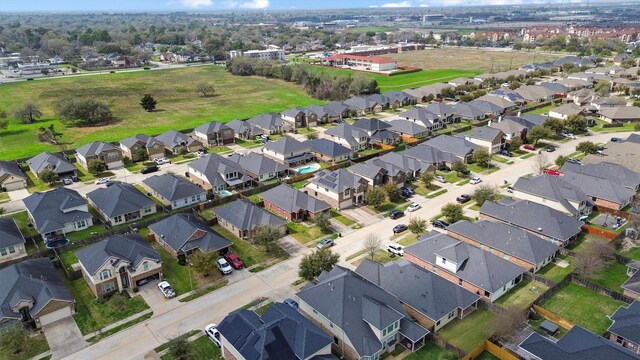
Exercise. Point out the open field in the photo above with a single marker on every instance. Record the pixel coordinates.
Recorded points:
(179, 107)
(469, 58)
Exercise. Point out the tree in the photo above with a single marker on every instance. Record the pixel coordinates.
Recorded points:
(148, 102)
(427, 179)
(587, 147)
(205, 89)
(180, 348)
(96, 166)
(83, 111)
(602, 88)
(515, 144)
(481, 157)
(118, 301)
(540, 163)
(417, 225)
(28, 113)
(140, 154)
(505, 324)
(483, 193)
(596, 255)
(459, 167)
(316, 262)
(514, 85)
(203, 261)
(48, 134)
(371, 245)
(322, 220)
(452, 212)
(48, 176)
(266, 236)
(560, 160)
(374, 197)
(391, 189)
(14, 339)
(538, 133)
(576, 123)
(312, 135)
(553, 124)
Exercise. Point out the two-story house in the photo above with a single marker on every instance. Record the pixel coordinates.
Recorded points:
(119, 262)
(177, 143)
(141, 147)
(489, 139)
(288, 151)
(300, 118)
(214, 134)
(378, 172)
(109, 154)
(377, 131)
(11, 176)
(339, 188)
(554, 192)
(12, 242)
(217, 173)
(121, 203)
(174, 191)
(259, 167)
(363, 106)
(244, 130)
(625, 330)
(349, 136)
(424, 117)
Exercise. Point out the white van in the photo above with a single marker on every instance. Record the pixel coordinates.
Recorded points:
(224, 267)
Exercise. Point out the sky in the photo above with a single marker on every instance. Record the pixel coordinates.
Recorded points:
(172, 5)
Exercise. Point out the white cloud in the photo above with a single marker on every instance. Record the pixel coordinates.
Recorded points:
(255, 4)
(196, 3)
(396, 5)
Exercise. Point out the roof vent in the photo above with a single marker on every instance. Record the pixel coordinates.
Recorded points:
(539, 229)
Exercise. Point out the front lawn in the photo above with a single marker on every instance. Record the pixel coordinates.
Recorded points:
(249, 253)
(300, 184)
(304, 233)
(430, 351)
(248, 144)
(201, 348)
(482, 169)
(468, 333)
(583, 307)
(219, 150)
(341, 218)
(612, 277)
(36, 345)
(523, 295)
(92, 314)
(556, 273)
(450, 176)
(178, 276)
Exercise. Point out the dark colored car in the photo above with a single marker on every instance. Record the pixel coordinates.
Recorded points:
(463, 198)
(406, 193)
(291, 302)
(440, 224)
(400, 228)
(109, 183)
(149, 169)
(506, 153)
(396, 214)
(551, 149)
(234, 260)
(616, 139)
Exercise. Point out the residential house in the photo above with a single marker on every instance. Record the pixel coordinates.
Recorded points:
(462, 81)
(409, 131)
(378, 172)
(427, 297)
(280, 333)
(259, 167)
(457, 146)
(623, 153)
(620, 114)
(293, 204)
(141, 147)
(469, 112)
(577, 343)
(244, 130)
(168, 56)
(411, 166)
(337, 110)
(625, 329)
(511, 129)
(563, 112)
(214, 134)
(11, 176)
(339, 188)
(615, 173)
(554, 192)
(12, 242)
(184, 233)
(598, 102)
(217, 173)
(384, 101)
(420, 115)
(605, 194)
(57, 212)
(117, 263)
(364, 320)
(581, 97)
(300, 118)
(288, 151)
(329, 151)
(178, 143)
(490, 139)
(32, 290)
(242, 218)
(348, 135)
(540, 93)
(631, 287)
(489, 108)
(431, 155)
(515, 245)
(270, 123)
(424, 92)
(109, 154)
(400, 98)
(550, 224)
(174, 191)
(446, 113)
(528, 120)
(362, 105)
(58, 163)
(121, 203)
(377, 131)
(501, 104)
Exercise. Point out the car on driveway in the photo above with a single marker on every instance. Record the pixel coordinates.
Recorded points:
(102, 181)
(399, 228)
(440, 224)
(441, 179)
(224, 267)
(166, 289)
(291, 302)
(506, 153)
(325, 243)
(67, 181)
(551, 149)
(463, 198)
(212, 332)
(530, 147)
(396, 214)
(474, 181)
(574, 161)
(553, 172)
(406, 192)
(616, 139)
(413, 207)
(234, 260)
(162, 160)
(395, 249)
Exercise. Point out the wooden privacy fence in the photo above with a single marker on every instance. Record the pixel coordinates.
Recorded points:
(599, 232)
(497, 351)
(535, 277)
(554, 318)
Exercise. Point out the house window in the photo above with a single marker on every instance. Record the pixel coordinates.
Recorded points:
(108, 287)
(437, 322)
(80, 224)
(145, 265)
(175, 203)
(619, 339)
(486, 293)
(12, 249)
(3, 251)
(105, 274)
(117, 219)
(444, 261)
(452, 314)
(147, 209)
(459, 281)
(506, 256)
(347, 192)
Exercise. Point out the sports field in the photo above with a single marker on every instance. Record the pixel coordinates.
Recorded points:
(179, 106)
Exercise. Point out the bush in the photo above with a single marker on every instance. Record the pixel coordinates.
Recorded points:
(135, 289)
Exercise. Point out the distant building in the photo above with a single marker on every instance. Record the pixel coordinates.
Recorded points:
(271, 53)
(359, 61)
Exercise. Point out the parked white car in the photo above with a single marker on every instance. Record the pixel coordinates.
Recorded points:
(224, 267)
(475, 180)
(395, 249)
(441, 179)
(212, 332)
(102, 181)
(162, 160)
(166, 289)
(413, 207)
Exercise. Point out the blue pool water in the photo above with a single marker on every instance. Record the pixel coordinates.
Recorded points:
(224, 193)
(308, 169)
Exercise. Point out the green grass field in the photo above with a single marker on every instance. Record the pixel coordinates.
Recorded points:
(179, 107)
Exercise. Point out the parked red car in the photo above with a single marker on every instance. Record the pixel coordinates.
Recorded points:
(530, 147)
(551, 172)
(234, 260)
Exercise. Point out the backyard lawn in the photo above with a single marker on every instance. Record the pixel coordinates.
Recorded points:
(612, 277)
(22, 220)
(249, 253)
(556, 273)
(523, 295)
(469, 332)
(430, 351)
(201, 348)
(583, 307)
(542, 110)
(633, 253)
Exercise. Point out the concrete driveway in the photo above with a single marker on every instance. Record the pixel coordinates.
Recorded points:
(64, 338)
(153, 296)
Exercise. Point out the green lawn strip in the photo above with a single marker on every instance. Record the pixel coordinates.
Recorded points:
(35, 184)
(305, 234)
(612, 277)
(144, 191)
(262, 309)
(248, 144)
(482, 169)
(269, 263)
(118, 328)
(92, 314)
(450, 176)
(583, 307)
(499, 159)
(528, 155)
(523, 295)
(96, 229)
(633, 253)
(219, 150)
(166, 345)
(430, 351)
(463, 182)
(201, 348)
(355, 255)
(36, 345)
(437, 193)
(341, 218)
(4, 197)
(255, 198)
(22, 220)
(630, 126)
(249, 253)
(69, 258)
(474, 207)
(556, 273)
(542, 110)
(468, 333)
(178, 276)
(300, 184)
(200, 292)
(381, 256)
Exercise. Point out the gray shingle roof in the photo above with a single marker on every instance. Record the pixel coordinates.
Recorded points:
(616, 173)
(241, 127)
(173, 187)
(509, 126)
(634, 138)
(145, 139)
(335, 108)
(552, 188)
(475, 265)
(257, 163)
(440, 109)
(211, 127)
(430, 154)
(485, 133)
(55, 162)
(626, 322)
(420, 113)
(286, 145)
(131, 248)
(184, 232)
(452, 144)
(338, 180)
(348, 132)
(95, 148)
(10, 233)
(397, 95)
(292, 200)
(214, 166)
(577, 343)
(422, 290)
(371, 124)
(600, 188)
(269, 122)
(327, 147)
(488, 107)
(468, 110)
(11, 168)
(534, 217)
(281, 333)
(119, 199)
(33, 280)
(359, 103)
(383, 100)
(407, 127)
(405, 162)
(53, 209)
(172, 139)
(508, 239)
(367, 169)
(245, 215)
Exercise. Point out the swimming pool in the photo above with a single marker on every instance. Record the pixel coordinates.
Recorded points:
(308, 168)
(224, 193)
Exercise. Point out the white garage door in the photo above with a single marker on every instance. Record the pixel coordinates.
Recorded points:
(55, 316)
(16, 185)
